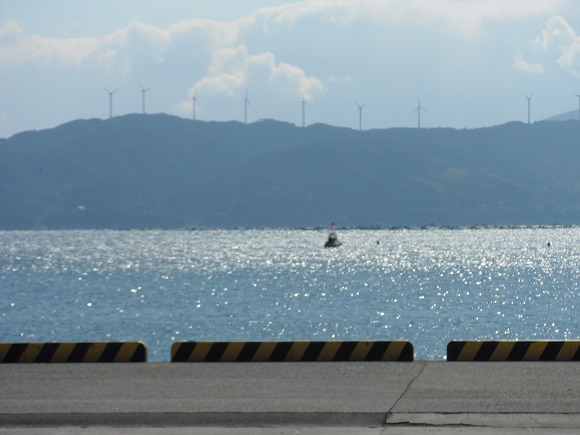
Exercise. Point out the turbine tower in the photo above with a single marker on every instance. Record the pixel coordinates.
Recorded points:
(578, 95)
(143, 91)
(111, 101)
(304, 103)
(360, 108)
(529, 104)
(194, 100)
(246, 102)
(418, 111)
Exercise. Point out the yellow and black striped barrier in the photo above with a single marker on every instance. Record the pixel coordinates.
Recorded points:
(513, 351)
(291, 351)
(72, 352)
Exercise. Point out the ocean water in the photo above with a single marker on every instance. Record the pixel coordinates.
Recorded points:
(428, 286)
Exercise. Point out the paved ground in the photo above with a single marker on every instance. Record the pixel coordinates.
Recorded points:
(291, 398)
(337, 430)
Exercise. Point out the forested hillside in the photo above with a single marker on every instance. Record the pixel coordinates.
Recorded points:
(143, 171)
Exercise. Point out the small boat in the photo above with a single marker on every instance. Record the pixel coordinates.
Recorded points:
(332, 241)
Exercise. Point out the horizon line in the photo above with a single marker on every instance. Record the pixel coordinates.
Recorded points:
(295, 124)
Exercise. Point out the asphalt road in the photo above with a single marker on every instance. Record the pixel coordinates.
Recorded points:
(307, 398)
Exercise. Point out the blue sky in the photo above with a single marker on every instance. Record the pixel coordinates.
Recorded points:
(469, 61)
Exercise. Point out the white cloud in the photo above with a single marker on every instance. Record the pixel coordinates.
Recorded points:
(17, 47)
(48, 50)
(234, 69)
(561, 38)
(115, 49)
(521, 65)
(558, 33)
(307, 86)
(459, 16)
(10, 29)
(226, 71)
(570, 58)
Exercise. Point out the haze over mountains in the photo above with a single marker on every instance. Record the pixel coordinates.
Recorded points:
(161, 171)
(566, 116)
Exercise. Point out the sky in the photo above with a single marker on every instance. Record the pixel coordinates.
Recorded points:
(349, 63)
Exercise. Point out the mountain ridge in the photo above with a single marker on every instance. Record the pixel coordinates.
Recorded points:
(145, 171)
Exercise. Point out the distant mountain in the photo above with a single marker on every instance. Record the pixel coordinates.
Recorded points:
(572, 115)
(143, 171)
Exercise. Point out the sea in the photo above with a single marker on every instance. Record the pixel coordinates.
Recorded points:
(424, 285)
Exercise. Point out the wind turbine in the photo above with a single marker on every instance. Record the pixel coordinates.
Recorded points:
(360, 108)
(143, 91)
(194, 100)
(418, 111)
(529, 104)
(111, 101)
(304, 103)
(246, 102)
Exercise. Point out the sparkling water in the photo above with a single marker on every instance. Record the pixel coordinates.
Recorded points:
(427, 286)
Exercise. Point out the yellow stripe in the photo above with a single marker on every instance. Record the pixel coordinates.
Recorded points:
(264, 351)
(469, 351)
(4, 348)
(329, 350)
(502, 351)
(297, 351)
(564, 353)
(94, 352)
(535, 351)
(31, 352)
(200, 351)
(360, 351)
(126, 352)
(573, 347)
(62, 352)
(232, 351)
(394, 351)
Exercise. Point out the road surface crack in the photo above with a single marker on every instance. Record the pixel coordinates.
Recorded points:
(390, 411)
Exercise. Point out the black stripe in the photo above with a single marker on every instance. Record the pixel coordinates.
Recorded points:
(344, 351)
(576, 356)
(280, 351)
(248, 351)
(519, 351)
(79, 351)
(454, 349)
(110, 352)
(216, 351)
(551, 351)
(485, 351)
(184, 351)
(140, 354)
(46, 352)
(14, 353)
(313, 351)
(377, 351)
(408, 353)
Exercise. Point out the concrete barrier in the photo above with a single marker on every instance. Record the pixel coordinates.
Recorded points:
(294, 351)
(72, 352)
(513, 351)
